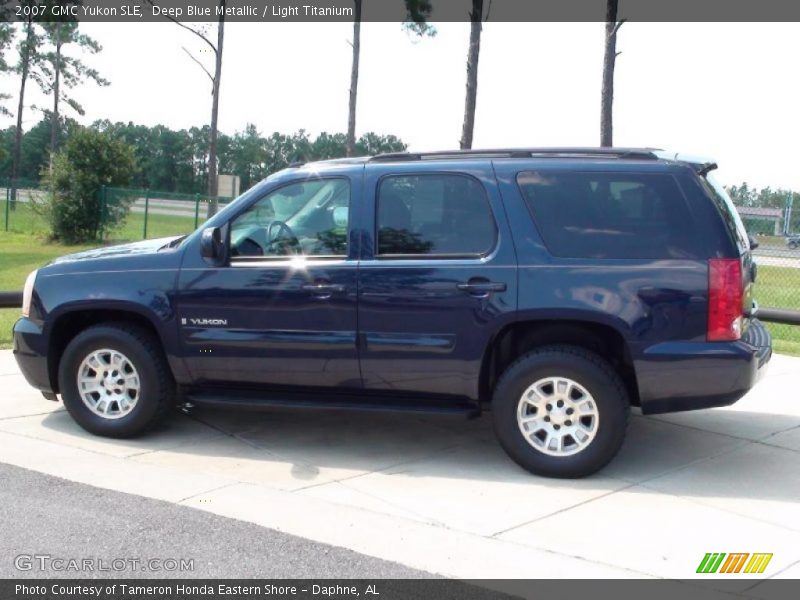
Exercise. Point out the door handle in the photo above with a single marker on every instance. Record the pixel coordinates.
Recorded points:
(323, 290)
(481, 288)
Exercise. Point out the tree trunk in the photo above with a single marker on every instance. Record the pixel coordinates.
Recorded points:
(350, 146)
(609, 61)
(26, 61)
(213, 205)
(476, 17)
(54, 124)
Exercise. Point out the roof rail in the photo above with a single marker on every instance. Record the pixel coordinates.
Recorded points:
(636, 153)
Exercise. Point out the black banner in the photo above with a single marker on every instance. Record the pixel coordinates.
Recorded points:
(395, 589)
(243, 589)
(276, 11)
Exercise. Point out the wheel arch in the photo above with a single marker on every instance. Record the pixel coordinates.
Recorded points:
(70, 322)
(521, 336)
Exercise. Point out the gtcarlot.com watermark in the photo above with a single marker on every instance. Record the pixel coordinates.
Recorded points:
(46, 563)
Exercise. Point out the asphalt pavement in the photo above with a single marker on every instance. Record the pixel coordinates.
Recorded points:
(48, 522)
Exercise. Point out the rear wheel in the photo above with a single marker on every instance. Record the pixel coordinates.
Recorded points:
(560, 411)
(114, 380)
(793, 245)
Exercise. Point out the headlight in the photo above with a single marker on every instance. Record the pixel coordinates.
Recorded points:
(27, 294)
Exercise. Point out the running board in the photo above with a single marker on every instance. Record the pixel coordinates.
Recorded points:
(251, 400)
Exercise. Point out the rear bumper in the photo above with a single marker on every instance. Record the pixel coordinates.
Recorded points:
(679, 376)
(30, 351)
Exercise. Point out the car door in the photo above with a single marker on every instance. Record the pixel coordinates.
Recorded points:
(282, 311)
(437, 278)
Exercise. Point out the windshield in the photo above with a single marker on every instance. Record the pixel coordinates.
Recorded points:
(729, 213)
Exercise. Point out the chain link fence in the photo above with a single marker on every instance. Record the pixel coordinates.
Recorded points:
(154, 214)
(777, 231)
(17, 210)
(144, 214)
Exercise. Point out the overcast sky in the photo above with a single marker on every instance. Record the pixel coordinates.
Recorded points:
(729, 91)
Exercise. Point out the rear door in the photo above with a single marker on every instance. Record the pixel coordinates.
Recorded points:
(437, 277)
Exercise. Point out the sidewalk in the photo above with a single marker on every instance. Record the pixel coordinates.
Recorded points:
(438, 494)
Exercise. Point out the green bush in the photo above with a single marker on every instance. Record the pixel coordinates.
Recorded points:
(75, 207)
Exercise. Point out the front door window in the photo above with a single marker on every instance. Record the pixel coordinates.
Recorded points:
(306, 219)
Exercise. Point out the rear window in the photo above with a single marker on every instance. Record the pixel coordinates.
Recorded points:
(729, 213)
(609, 215)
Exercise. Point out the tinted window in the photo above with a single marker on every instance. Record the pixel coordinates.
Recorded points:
(729, 213)
(609, 215)
(308, 218)
(434, 215)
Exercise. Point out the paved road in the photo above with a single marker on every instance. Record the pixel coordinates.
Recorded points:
(157, 206)
(779, 257)
(40, 514)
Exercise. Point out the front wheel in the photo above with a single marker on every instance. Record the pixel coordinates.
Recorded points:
(115, 381)
(560, 411)
(792, 245)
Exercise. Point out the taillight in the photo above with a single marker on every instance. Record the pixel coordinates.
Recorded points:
(725, 297)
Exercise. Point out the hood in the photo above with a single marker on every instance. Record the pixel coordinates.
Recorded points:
(135, 248)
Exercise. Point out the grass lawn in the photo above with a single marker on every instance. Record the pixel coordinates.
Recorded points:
(779, 287)
(19, 255)
(24, 220)
(157, 226)
(24, 249)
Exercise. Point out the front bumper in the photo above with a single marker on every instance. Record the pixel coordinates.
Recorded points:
(30, 351)
(679, 376)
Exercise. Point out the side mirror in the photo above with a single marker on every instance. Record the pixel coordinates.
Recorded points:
(340, 216)
(753, 242)
(213, 245)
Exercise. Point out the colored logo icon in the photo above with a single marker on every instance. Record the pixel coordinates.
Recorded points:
(737, 562)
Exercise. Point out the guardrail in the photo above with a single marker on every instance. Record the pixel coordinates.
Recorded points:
(10, 299)
(770, 315)
(779, 315)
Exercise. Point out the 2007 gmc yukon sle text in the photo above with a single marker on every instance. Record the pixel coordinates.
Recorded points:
(556, 287)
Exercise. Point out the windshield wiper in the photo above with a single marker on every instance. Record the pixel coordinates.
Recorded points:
(175, 242)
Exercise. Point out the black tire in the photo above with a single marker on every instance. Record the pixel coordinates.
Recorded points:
(792, 245)
(585, 368)
(157, 388)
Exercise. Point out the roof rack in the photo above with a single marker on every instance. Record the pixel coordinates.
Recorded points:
(636, 153)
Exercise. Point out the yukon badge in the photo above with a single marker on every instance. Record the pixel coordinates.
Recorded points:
(205, 322)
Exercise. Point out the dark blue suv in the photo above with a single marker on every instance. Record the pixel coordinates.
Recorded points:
(556, 287)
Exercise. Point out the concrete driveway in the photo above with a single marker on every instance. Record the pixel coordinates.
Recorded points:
(438, 494)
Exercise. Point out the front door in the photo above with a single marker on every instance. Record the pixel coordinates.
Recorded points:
(283, 311)
(437, 277)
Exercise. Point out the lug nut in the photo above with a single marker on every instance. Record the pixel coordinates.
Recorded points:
(549, 407)
(560, 403)
(556, 427)
(570, 411)
(547, 419)
(567, 422)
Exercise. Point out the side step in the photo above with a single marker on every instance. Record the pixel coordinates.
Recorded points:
(253, 400)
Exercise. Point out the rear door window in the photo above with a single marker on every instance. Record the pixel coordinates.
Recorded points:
(436, 215)
(609, 215)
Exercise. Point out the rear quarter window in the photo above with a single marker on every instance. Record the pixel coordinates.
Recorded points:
(609, 215)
